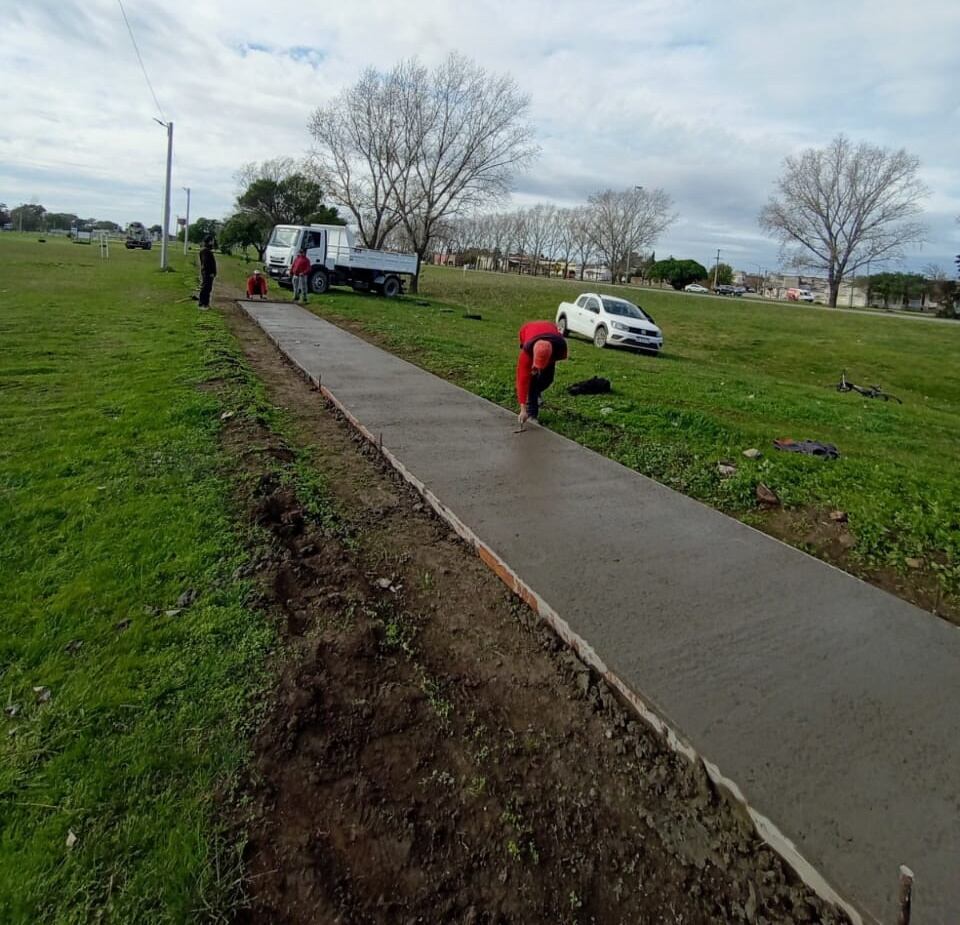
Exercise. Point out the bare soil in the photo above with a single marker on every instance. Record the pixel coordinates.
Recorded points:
(833, 541)
(431, 752)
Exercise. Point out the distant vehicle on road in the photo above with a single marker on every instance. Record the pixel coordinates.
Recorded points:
(724, 289)
(695, 287)
(609, 321)
(336, 260)
(138, 236)
(799, 295)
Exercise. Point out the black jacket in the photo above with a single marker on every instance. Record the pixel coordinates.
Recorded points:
(208, 263)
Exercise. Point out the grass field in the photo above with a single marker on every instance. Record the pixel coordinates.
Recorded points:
(114, 501)
(733, 375)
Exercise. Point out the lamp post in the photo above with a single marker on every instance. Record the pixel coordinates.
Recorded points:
(166, 195)
(186, 227)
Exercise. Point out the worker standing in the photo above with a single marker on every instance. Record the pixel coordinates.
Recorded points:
(208, 272)
(256, 285)
(541, 347)
(299, 272)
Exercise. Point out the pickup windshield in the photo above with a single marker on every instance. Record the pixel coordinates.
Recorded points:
(624, 309)
(284, 237)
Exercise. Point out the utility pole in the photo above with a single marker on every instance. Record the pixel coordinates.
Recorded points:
(165, 233)
(716, 271)
(186, 227)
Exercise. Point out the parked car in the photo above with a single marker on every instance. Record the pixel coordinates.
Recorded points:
(799, 295)
(609, 321)
(695, 287)
(725, 289)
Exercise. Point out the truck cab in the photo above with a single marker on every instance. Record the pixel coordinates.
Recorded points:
(335, 259)
(138, 236)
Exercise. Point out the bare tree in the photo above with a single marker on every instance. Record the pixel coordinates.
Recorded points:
(414, 147)
(356, 156)
(520, 236)
(465, 134)
(580, 224)
(621, 223)
(841, 207)
(541, 225)
(566, 237)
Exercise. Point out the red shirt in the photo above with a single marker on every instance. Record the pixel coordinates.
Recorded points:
(529, 334)
(256, 285)
(300, 266)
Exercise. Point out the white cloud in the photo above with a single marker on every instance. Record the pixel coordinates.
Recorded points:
(703, 99)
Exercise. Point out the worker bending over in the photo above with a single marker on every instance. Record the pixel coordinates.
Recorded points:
(541, 347)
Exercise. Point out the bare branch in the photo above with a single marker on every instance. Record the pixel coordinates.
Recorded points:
(841, 207)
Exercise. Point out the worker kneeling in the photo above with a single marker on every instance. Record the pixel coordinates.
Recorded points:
(256, 285)
(541, 347)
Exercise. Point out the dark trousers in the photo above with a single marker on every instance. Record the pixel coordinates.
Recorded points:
(206, 287)
(539, 383)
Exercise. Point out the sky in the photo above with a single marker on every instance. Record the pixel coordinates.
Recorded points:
(703, 99)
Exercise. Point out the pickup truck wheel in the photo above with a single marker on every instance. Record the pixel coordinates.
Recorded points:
(562, 325)
(391, 287)
(600, 337)
(319, 282)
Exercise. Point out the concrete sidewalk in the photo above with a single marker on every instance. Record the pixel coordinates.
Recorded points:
(831, 708)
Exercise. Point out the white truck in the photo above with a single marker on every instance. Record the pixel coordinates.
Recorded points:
(336, 260)
(138, 236)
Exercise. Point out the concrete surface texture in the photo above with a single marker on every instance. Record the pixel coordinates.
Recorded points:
(830, 705)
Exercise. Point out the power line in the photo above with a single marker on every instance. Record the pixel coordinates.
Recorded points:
(140, 59)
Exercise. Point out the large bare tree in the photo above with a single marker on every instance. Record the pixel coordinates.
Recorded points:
(415, 147)
(621, 222)
(841, 207)
(356, 156)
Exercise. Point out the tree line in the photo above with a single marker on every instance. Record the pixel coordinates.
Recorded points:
(418, 159)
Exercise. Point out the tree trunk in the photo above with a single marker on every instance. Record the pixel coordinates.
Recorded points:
(834, 292)
(415, 279)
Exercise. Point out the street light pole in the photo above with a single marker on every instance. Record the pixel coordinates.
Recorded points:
(186, 227)
(716, 271)
(166, 196)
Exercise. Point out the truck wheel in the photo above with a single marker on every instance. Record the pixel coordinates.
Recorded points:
(391, 287)
(600, 337)
(562, 325)
(319, 282)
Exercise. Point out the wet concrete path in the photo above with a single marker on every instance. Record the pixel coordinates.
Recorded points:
(833, 707)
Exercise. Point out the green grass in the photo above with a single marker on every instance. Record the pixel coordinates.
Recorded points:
(115, 499)
(733, 375)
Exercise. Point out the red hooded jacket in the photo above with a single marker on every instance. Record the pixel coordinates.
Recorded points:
(530, 333)
(300, 266)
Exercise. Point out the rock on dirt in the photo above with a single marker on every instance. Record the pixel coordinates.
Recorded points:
(767, 496)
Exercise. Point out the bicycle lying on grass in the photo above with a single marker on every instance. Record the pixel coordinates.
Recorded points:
(872, 391)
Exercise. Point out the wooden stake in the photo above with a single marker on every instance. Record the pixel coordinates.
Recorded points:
(906, 895)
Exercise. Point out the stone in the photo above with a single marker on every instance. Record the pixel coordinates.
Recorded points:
(767, 495)
(752, 453)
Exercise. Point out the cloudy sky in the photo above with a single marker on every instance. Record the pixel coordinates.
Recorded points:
(701, 98)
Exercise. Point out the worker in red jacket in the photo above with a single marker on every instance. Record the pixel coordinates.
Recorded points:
(541, 347)
(256, 285)
(299, 273)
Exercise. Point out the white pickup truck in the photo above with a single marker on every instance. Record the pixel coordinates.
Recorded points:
(609, 321)
(336, 260)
